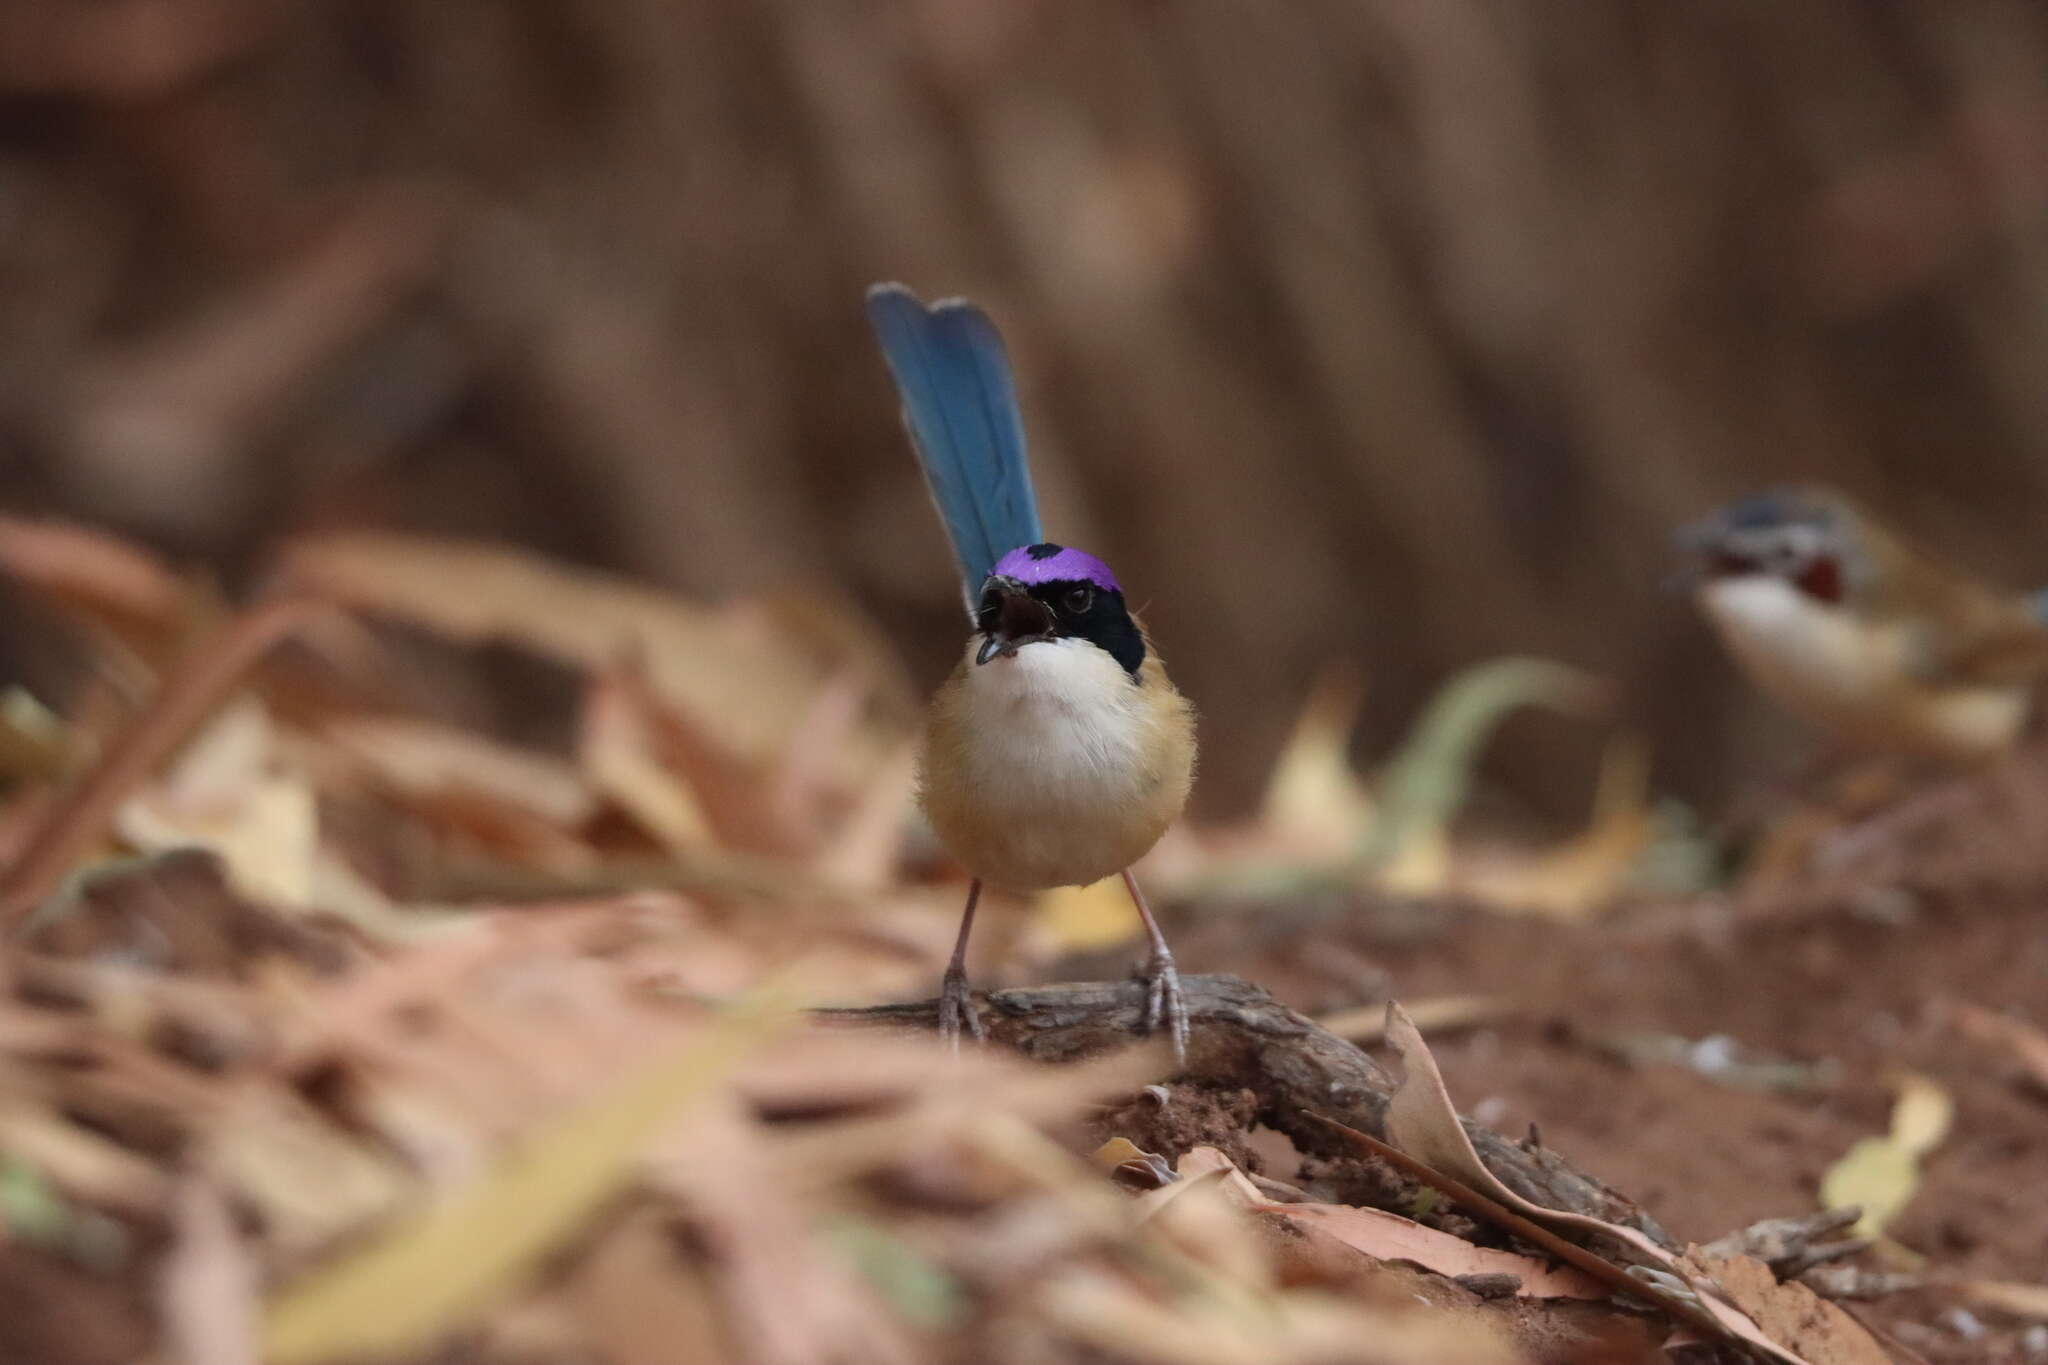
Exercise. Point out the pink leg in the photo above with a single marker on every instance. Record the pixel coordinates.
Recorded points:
(956, 1000)
(1163, 1000)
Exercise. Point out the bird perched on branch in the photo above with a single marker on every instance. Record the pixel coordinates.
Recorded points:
(1860, 632)
(1057, 752)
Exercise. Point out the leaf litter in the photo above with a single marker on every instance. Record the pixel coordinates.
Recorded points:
(342, 1026)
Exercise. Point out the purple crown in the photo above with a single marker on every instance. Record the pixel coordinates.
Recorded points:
(1055, 564)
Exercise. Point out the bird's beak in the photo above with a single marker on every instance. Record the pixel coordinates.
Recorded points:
(1019, 620)
(1694, 544)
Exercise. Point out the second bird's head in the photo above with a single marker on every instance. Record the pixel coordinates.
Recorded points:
(1055, 595)
(1802, 537)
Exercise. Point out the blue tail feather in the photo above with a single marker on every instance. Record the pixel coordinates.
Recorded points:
(960, 405)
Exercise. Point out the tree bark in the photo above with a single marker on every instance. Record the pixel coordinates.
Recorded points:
(1242, 1037)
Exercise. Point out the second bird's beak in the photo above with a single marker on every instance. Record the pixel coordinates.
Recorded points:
(1020, 620)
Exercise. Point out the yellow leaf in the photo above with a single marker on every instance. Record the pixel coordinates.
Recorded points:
(1881, 1173)
(1078, 918)
(1116, 1152)
(1316, 803)
(1921, 1116)
(1582, 874)
(34, 742)
(436, 1269)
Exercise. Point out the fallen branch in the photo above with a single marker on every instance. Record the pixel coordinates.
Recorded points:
(1243, 1037)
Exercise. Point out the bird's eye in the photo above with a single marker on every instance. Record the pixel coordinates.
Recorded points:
(1078, 600)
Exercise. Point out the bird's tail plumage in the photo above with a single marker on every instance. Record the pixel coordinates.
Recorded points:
(961, 408)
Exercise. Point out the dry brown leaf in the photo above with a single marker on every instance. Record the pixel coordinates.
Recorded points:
(82, 1163)
(1789, 1313)
(1222, 1327)
(2008, 1296)
(419, 758)
(787, 1301)
(2027, 1044)
(637, 1300)
(1422, 1121)
(1390, 1237)
(310, 1181)
(864, 851)
(102, 578)
(729, 663)
(228, 791)
(433, 1270)
(1207, 1218)
(738, 796)
(615, 746)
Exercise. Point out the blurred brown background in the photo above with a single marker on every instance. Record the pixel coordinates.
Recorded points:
(1399, 330)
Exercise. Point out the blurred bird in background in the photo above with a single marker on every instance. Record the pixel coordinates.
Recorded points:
(1848, 625)
(1057, 752)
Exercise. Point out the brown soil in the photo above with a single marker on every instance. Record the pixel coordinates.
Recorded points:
(1853, 996)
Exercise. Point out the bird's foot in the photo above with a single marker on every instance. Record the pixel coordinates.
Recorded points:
(1164, 1003)
(956, 1007)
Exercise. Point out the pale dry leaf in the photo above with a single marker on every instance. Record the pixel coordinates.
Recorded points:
(420, 758)
(615, 747)
(82, 1163)
(104, 578)
(1316, 802)
(1788, 1312)
(1209, 1222)
(35, 742)
(2007, 1296)
(432, 1271)
(637, 1300)
(228, 791)
(207, 1283)
(1581, 876)
(1222, 1327)
(1368, 1023)
(1390, 1237)
(865, 849)
(735, 664)
(310, 1181)
(1422, 1122)
(2027, 1044)
(787, 1300)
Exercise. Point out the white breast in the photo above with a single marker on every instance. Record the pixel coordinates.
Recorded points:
(1860, 681)
(1058, 725)
(1052, 768)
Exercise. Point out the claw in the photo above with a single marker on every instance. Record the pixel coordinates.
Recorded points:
(1164, 1003)
(956, 1006)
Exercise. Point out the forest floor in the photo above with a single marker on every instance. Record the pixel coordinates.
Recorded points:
(356, 1006)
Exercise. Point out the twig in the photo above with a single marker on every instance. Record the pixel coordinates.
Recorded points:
(202, 679)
